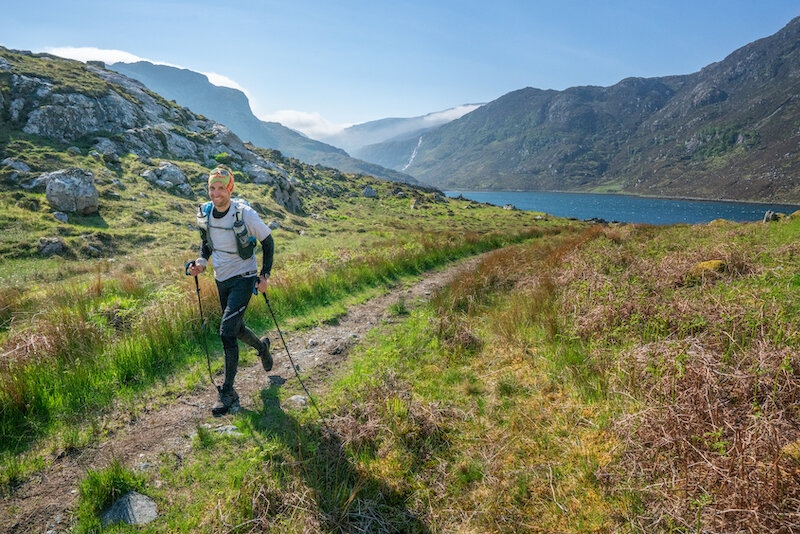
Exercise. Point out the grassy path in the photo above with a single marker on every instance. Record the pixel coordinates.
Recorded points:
(167, 425)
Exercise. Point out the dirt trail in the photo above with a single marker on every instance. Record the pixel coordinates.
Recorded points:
(43, 503)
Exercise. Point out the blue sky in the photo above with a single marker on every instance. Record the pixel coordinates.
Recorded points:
(323, 64)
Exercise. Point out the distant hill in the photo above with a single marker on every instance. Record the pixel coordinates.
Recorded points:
(231, 108)
(729, 131)
(354, 138)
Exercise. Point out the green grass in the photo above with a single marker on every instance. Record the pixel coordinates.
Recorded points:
(525, 396)
(98, 490)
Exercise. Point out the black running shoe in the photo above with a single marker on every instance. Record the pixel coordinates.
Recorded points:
(266, 357)
(228, 402)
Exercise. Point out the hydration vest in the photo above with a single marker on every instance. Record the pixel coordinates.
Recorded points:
(245, 243)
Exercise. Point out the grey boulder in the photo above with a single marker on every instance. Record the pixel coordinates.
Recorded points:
(49, 246)
(16, 165)
(71, 190)
(169, 172)
(132, 508)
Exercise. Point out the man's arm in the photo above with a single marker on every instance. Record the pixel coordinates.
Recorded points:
(268, 253)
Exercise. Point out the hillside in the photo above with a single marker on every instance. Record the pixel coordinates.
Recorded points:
(231, 108)
(728, 131)
(354, 139)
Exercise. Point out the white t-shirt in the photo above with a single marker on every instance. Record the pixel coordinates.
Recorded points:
(224, 255)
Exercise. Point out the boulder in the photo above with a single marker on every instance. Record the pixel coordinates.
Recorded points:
(48, 246)
(771, 216)
(169, 172)
(150, 175)
(61, 216)
(286, 195)
(186, 190)
(258, 174)
(509, 207)
(105, 146)
(72, 190)
(274, 225)
(75, 151)
(132, 508)
(5, 66)
(16, 165)
(369, 192)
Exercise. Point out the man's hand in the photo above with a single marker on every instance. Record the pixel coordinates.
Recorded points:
(261, 285)
(196, 269)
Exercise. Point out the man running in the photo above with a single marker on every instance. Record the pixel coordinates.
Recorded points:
(229, 229)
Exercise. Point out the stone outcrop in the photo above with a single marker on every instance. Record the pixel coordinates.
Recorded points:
(258, 174)
(286, 195)
(49, 246)
(17, 165)
(169, 172)
(71, 190)
(128, 118)
(132, 508)
(369, 192)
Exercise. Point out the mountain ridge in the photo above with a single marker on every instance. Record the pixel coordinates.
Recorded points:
(730, 130)
(231, 107)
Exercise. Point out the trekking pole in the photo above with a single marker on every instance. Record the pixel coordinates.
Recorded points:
(202, 322)
(294, 367)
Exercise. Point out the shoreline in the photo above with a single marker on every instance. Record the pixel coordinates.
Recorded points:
(632, 195)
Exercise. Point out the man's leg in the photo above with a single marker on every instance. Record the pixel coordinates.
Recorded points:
(261, 345)
(234, 296)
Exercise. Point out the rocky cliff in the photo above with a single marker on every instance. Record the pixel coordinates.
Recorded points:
(68, 102)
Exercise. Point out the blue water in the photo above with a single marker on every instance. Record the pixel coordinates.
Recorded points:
(624, 208)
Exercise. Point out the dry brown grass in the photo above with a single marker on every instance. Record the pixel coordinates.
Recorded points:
(711, 365)
(708, 448)
(390, 412)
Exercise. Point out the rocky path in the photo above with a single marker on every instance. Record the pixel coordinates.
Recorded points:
(43, 503)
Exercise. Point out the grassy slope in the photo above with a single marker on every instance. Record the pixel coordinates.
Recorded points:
(98, 324)
(584, 382)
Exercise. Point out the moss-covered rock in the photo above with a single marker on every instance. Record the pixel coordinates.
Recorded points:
(710, 267)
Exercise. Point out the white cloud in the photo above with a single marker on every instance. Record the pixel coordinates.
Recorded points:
(312, 124)
(443, 117)
(223, 81)
(88, 53)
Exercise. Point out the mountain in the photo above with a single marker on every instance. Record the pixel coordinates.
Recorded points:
(354, 138)
(230, 107)
(730, 130)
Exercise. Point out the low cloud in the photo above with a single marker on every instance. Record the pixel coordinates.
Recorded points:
(88, 53)
(448, 115)
(108, 56)
(312, 124)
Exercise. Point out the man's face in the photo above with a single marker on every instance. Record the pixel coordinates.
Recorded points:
(219, 195)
